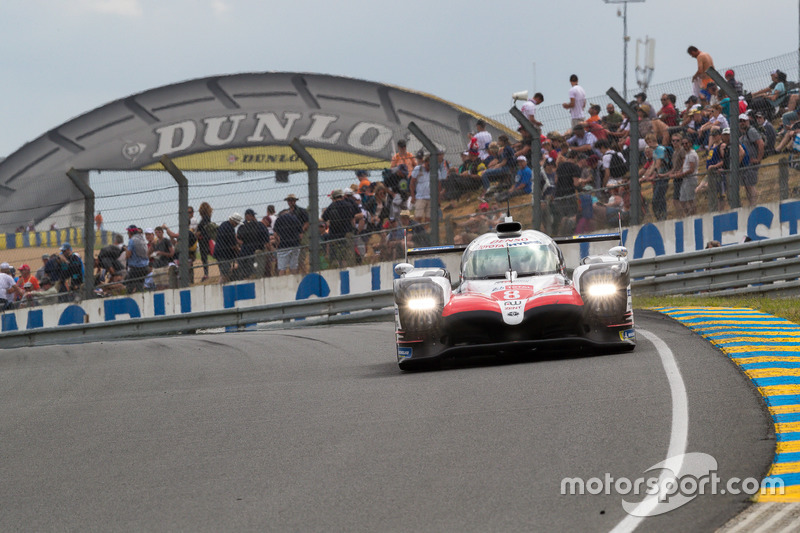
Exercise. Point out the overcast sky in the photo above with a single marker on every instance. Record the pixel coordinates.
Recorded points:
(62, 58)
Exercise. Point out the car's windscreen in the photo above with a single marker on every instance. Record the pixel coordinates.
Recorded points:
(526, 260)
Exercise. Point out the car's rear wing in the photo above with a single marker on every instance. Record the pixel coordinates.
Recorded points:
(588, 238)
(430, 250)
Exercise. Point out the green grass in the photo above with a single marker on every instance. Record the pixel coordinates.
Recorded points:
(782, 307)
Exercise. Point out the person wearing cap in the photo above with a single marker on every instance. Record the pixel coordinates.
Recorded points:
(641, 100)
(46, 294)
(522, 183)
(25, 276)
(417, 236)
(769, 99)
(577, 101)
(287, 234)
(733, 82)
(227, 246)
(700, 79)
(403, 157)
(725, 159)
(753, 144)
(658, 175)
(340, 217)
(9, 290)
(500, 169)
(301, 215)
(40, 272)
(71, 269)
(255, 238)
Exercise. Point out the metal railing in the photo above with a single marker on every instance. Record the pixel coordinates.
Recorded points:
(768, 267)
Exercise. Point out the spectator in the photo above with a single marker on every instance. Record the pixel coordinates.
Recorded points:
(288, 231)
(26, 277)
(40, 272)
(226, 248)
(481, 139)
(594, 114)
(733, 82)
(420, 188)
(769, 99)
(255, 237)
(613, 163)
(206, 232)
(339, 216)
(753, 144)
(607, 213)
(581, 141)
(767, 130)
(612, 120)
(301, 215)
(667, 114)
(522, 185)
(641, 100)
(362, 176)
(678, 160)
(403, 157)
(193, 220)
(502, 168)
(163, 250)
(726, 152)
(269, 219)
(71, 269)
(717, 119)
(470, 175)
(568, 176)
(654, 126)
(394, 242)
(688, 177)
(45, 295)
(529, 109)
(108, 259)
(417, 236)
(700, 79)
(8, 289)
(577, 101)
(693, 126)
(657, 175)
(98, 221)
(713, 164)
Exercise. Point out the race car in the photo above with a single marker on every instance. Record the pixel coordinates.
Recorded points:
(513, 295)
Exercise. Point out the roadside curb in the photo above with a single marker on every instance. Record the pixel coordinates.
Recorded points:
(767, 349)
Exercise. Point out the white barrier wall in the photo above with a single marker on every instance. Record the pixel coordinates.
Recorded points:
(648, 240)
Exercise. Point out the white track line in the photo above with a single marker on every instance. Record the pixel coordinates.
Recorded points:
(758, 510)
(679, 434)
(774, 519)
(793, 526)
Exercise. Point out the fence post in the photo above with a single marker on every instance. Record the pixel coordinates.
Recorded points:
(536, 166)
(633, 156)
(313, 202)
(434, 175)
(783, 177)
(81, 180)
(733, 108)
(183, 218)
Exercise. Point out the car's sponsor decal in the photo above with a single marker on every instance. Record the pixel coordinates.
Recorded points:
(403, 353)
(627, 335)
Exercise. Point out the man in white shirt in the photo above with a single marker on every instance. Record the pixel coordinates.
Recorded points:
(529, 109)
(481, 139)
(577, 101)
(8, 288)
(688, 174)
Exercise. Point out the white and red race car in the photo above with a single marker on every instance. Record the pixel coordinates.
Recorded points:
(513, 295)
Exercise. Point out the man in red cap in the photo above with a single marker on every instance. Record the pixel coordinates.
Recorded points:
(731, 79)
(25, 276)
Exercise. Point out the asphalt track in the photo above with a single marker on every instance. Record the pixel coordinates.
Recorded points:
(316, 429)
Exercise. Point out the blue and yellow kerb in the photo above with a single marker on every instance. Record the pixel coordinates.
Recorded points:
(767, 349)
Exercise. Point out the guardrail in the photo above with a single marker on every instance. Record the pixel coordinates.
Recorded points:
(334, 310)
(769, 266)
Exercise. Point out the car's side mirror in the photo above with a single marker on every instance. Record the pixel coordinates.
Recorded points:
(401, 269)
(619, 252)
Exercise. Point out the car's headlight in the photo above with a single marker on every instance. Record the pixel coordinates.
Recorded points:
(599, 290)
(421, 304)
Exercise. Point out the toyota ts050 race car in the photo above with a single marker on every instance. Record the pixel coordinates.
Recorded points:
(513, 295)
